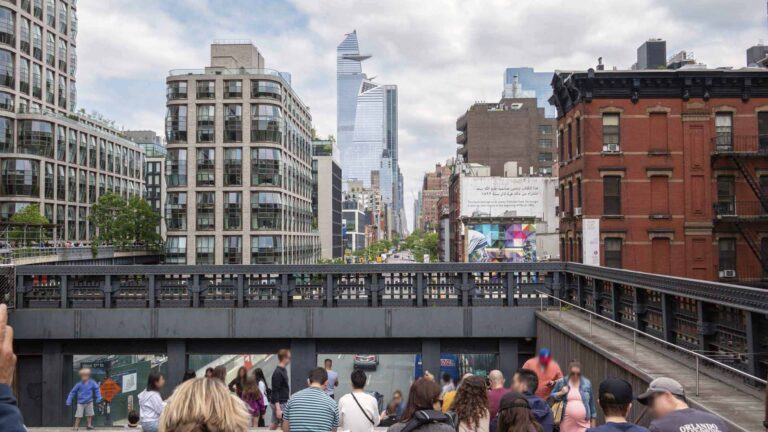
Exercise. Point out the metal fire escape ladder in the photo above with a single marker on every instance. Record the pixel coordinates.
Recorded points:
(753, 183)
(753, 243)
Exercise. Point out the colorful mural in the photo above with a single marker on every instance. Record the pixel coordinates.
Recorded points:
(494, 242)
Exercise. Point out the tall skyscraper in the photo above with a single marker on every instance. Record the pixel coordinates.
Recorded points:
(367, 127)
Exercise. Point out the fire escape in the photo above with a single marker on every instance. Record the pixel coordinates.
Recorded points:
(744, 215)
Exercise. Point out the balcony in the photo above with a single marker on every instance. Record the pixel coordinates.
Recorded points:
(745, 145)
(740, 210)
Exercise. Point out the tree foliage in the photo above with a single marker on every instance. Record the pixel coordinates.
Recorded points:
(33, 232)
(122, 222)
(420, 244)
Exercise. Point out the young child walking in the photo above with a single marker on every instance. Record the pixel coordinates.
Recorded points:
(255, 400)
(83, 394)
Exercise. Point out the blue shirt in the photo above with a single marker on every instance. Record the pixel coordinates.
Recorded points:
(618, 427)
(83, 392)
(10, 416)
(541, 411)
(311, 410)
(331, 384)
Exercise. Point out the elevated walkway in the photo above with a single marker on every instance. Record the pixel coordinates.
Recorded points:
(607, 350)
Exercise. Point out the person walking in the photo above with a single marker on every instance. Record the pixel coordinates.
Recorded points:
(151, 404)
(311, 410)
(422, 413)
(515, 415)
(254, 399)
(447, 385)
(333, 379)
(615, 398)
(471, 406)
(496, 391)
(220, 373)
(281, 388)
(203, 404)
(397, 397)
(666, 399)
(575, 391)
(238, 383)
(547, 370)
(525, 381)
(358, 411)
(83, 394)
(258, 375)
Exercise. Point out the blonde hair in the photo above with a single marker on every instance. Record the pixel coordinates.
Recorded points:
(204, 404)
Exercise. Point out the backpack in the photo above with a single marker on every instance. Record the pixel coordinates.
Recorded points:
(424, 417)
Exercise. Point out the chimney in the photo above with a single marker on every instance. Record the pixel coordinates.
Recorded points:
(600, 65)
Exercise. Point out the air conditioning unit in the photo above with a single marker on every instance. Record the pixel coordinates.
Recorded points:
(611, 148)
(577, 211)
(727, 274)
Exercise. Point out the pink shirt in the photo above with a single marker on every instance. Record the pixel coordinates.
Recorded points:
(575, 416)
(494, 400)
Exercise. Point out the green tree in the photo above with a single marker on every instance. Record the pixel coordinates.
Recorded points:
(32, 232)
(122, 222)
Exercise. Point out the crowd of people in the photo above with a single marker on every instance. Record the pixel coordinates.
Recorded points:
(540, 399)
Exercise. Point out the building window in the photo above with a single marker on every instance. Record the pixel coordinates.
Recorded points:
(49, 181)
(63, 56)
(24, 76)
(611, 133)
(61, 184)
(176, 169)
(91, 187)
(545, 143)
(233, 167)
(71, 223)
(233, 89)
(611, 195)
(545, 171)
(570, 142)
(570, 197)
(266, 249)
(176, 124)
(726, 195)
(266, 89)
(50, 12)
(204, 250)
(50, 49)
(233, 250)
(724, 131)
(206, 120)
(545, 157)
(63, 13)
(266, 211)
(6, 135)
(25, 36)
(578, 192)
(20, 177)
(62, 92)
(265, 167)
(49, 86)
(545, 129)
(176, 250)
(37, 42)
(233, 123)
(206, 90)
(561, 145)
(206, 211)
(578, 135)
(613, 252)
(36, 138)
(266, 123)
(176, 211)
(727, 254)
(37, 82)
(7, 27)
(233, 211)
(206, 167)
(762, 130)
(6, 69)
(176, 90)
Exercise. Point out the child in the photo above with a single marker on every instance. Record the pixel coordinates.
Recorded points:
(255, 401)
(82, 393)
(133, 420)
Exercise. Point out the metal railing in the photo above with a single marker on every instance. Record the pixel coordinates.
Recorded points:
(635, 333)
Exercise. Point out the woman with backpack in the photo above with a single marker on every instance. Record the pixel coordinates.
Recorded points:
(471, 405)
(266, 392)
(423, 410)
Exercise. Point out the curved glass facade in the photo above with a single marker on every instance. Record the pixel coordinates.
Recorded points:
(7, 27)
(19, 177)
(36, 137)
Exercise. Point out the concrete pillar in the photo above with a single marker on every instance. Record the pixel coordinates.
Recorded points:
(756, 327)
(53, 392)
(430, 356)
(508, 358)
(176, 350)
(303, 359)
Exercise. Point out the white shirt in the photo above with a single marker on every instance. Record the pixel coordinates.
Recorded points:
(150, 406)
(263, 391)
(352, 419)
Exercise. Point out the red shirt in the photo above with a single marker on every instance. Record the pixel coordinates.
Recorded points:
(494, 400)
(546, 374)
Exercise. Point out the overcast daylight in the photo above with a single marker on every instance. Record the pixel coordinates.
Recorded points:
(443, 55)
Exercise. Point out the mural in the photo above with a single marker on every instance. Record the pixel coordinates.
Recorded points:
(494, 242)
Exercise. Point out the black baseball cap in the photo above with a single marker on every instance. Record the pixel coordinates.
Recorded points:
(615, 391)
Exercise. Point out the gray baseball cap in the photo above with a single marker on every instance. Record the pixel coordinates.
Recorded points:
(661, 385)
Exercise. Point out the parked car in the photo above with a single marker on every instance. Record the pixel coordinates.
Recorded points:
(365, 361)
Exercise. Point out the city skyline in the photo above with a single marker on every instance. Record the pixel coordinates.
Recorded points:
(126, 49)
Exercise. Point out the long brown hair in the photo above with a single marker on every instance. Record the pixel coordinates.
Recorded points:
(471, 402)
(515, 415)
(251, 390)
(423, 395)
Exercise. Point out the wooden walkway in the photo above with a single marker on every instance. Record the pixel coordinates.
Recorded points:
(722, 395)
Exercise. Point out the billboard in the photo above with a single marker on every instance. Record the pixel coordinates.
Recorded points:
(503, 196)
(591, 241)
(501, 242)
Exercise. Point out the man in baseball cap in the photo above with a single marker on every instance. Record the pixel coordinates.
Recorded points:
(666, 399)
(615, 399)
(547, 370)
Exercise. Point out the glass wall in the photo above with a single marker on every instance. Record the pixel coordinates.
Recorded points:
(20, 177)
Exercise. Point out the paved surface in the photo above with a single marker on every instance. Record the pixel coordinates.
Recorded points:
(743, 408)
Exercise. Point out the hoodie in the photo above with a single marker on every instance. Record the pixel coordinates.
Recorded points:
(150, 406)
(541, 411)
(10, 416)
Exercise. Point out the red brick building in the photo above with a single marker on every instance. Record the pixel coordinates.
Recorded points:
(434, 187)
(674, 164)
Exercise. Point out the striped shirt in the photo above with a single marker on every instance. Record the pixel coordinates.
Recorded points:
(311, 410)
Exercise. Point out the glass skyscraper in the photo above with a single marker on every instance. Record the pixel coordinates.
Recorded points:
(367, 127)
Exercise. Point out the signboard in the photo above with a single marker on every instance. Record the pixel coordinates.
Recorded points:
(496, 243)
(591, 241)
(109, 389)
(521, 197)
(129, 382)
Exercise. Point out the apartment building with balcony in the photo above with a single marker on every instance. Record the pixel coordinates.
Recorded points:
(239, 165)
(49, 155)
(673, 164)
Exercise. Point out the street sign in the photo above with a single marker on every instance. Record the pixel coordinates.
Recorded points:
(109, 389)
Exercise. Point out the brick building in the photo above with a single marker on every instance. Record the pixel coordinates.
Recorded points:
(673, 163)
(434, 187)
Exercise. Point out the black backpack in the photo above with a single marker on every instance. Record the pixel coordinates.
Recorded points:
(424, 417)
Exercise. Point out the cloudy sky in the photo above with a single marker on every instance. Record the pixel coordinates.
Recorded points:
(443, 54)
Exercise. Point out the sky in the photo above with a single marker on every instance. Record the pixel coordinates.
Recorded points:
(443, 54)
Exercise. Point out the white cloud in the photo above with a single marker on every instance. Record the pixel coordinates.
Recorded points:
(443, 55)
